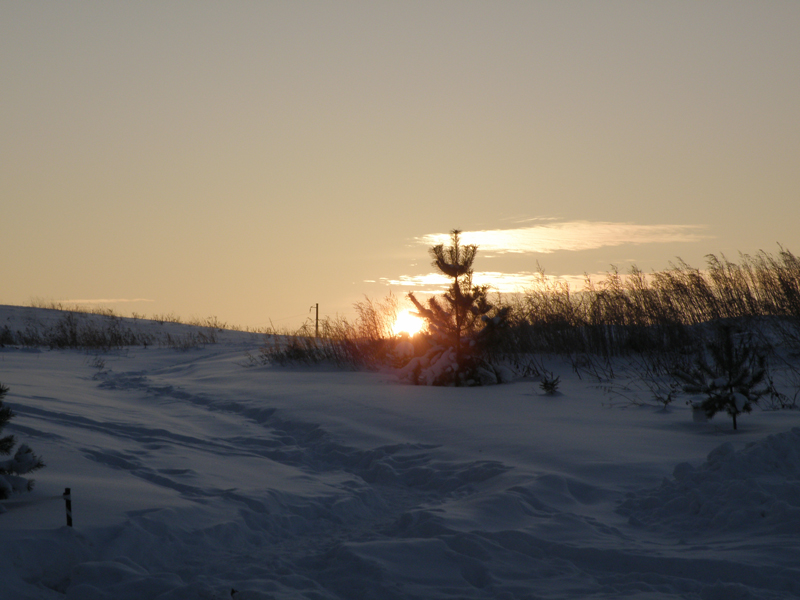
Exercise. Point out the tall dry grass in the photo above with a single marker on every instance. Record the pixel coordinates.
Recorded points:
(657, 318)
(364, 343)
(638, 312)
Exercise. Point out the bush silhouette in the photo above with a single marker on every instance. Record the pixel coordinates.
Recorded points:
(23, 462)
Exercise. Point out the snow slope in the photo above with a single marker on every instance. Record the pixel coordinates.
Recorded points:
(193, 474)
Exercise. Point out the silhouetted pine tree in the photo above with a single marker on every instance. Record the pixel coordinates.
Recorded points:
(455, 318)
(24, 460)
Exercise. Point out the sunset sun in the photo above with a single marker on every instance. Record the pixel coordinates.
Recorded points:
(407, 322)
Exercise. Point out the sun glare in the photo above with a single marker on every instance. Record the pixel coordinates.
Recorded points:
(407, 323)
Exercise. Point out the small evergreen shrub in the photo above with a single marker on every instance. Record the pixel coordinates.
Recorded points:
(23, 462)
(550, 383)
(728, 374)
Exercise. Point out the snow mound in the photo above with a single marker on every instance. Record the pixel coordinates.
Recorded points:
(753, 489)
(196, 473)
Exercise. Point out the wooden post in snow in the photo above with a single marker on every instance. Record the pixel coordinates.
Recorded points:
(68, 500)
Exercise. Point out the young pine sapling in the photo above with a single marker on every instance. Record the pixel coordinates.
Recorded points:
(23, 462)
(728, 374)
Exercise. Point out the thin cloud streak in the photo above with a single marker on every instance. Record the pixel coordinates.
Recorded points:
(507, 283)
(570, 235)
(105, 300)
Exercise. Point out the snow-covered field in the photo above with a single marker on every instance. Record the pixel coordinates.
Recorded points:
(193, 474)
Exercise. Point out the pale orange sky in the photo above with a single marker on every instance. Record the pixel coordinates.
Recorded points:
(251, 159)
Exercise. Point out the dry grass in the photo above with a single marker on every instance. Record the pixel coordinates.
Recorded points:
(365, 343)
(95, 328)
(637, 312)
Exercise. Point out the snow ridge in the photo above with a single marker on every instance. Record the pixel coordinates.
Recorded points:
(756, 488)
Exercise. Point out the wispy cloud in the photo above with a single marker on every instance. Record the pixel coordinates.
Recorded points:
(545, 236)
(105, 300)
(434, 283)
(570, 235)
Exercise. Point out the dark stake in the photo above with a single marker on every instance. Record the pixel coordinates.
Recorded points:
(68, 500)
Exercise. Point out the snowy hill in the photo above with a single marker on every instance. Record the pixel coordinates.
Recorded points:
(193, 474)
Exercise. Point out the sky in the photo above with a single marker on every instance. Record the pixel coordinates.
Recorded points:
(249, 160)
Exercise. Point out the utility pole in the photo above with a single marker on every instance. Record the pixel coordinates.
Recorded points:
(316, 321)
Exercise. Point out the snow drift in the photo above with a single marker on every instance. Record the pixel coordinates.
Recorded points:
(194, 475)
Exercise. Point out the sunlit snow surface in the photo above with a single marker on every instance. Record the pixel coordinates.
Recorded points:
(193, 474)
